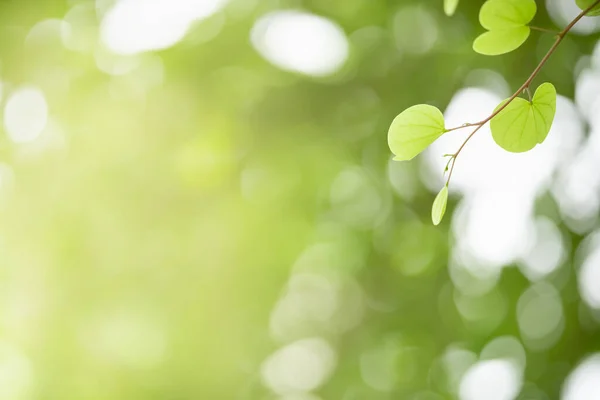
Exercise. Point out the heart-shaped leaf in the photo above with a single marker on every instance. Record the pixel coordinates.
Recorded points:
(494, 43)
(584, 4)
(522, 124)
(439, 206)
(450, 7)
(506, 22)
(415, 129)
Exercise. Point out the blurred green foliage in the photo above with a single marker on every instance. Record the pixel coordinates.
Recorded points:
(149, 238)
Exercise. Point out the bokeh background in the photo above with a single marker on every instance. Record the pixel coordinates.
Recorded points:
(197, 201)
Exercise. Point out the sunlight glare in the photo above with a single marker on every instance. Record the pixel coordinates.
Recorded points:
(135, 26)
(301, 42)
(25, 114)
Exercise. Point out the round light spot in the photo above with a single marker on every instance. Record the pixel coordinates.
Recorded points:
(355, 199)
(126, 339)
(456, 362)
(540, 316)
(491, 380)
(80, 29)
(309, 304)
(115, 64)
(485, 312)
(25, 114)
(16, 374)
(378, 366)
(403, 179)
(44, 35)
(301, 42)
(547, 253)
(490, 80)
(301, 366)
(470, 277)
(589, 279)
(415, 30)
(505, 347)
(134, 26)
(587, 93)
(584, 382)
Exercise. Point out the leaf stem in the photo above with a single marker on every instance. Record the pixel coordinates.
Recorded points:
(559, 38)
(545, 30)
(461, 127)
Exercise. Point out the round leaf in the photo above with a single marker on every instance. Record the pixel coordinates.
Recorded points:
(439, 206)
(584, 4)
(415, 129)
(522, 124)
(506, 22)
(450, 7)
(498, 42)
(505, 14)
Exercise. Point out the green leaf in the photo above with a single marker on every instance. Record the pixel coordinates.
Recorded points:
(494, 43)
(450, 7)
(505, 14)
(522, 124)
(506, 22)
(439, 206)
(584, 4)
(415, 129)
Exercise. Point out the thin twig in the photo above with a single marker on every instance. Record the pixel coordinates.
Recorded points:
(461, 127)
(545, 30)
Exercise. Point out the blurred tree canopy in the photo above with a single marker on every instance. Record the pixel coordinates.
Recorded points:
(198, 222)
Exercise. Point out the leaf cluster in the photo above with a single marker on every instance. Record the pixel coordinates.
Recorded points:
(518, 124)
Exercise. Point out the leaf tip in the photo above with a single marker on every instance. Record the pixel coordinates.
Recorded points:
(439, 206)
(450, 7)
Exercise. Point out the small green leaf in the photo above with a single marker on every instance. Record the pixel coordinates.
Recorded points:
(584, 4)
(494, 43)
(439, 206)
(450, 7)
(522, 124)
(505, 14)
(506, 22)
(415, 129)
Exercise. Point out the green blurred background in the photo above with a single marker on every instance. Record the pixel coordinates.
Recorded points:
(197, 201)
